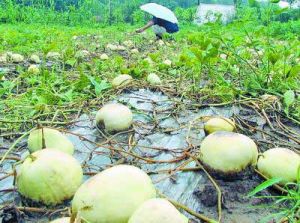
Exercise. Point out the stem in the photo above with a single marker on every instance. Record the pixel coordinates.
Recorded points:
(188, 210)
(14, 145)
(215, 185)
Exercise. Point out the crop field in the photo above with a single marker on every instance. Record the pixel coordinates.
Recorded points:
(98, 121)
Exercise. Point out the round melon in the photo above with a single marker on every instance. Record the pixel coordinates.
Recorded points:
(280, 163)
(104, 56)
(228, 152)
(153, 79)
(121, 80)
(113, 195)
(35, 59)
(135, 51)
(121, 48)
(114, 117)
(128, 43)
(161, 42)
(82, 54)
(168, 63)
(33, 69)
(148, 60)
(49, 176)
(3, 58)
(112, 47)
(157, 210)
(17, 58)
(53, 55)
(219, 124)
(53, 139)
(62, 220)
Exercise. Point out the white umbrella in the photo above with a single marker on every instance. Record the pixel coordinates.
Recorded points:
(160, 11)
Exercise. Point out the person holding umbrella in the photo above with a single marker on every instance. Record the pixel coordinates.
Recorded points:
(164, 20)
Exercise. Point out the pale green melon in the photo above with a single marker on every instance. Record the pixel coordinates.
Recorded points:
(280, 163)
(82, 54)
(3, 58)
(17, 58)
(53, 140)
(53, 55)
(121, 80)
(114, 117)
(113, 195)
(112, 47)
(121, 48)
(219, 124)
(35, 58)
(168, 63)
(153, 79)
(62, 220)
(148, 60)
(228, 152)
(157, 210)
(49, 176)
(134, 51)
(104, 56)
(33, 69)
(128, 43)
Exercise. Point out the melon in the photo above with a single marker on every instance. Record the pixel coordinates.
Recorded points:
(49, 176)
(114, 117)
(280, 163)
(52, 138)
(157, 210)
(228, 152)
(113, 195)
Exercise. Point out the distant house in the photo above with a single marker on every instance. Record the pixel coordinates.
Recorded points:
(212, 12)
(296, 4)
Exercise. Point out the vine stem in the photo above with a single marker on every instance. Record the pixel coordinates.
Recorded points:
(188, 210)
(215, 185)
(11, 148)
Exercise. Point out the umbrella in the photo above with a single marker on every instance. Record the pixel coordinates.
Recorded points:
(160, 11)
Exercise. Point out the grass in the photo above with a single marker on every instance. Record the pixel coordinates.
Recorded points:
(286, 205)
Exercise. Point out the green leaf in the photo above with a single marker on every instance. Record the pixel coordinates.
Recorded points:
(289, 98)
(274, 1)
(273, 57)
(252, 3)
(295, 71)
(279, 11)
(263, 186)
(71, 62)
(99, 87)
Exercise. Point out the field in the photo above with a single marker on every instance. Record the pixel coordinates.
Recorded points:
(247, 71)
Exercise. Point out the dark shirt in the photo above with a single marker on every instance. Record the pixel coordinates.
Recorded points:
(169, 26)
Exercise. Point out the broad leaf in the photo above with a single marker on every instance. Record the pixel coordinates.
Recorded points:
(99, 87)
(289, 98)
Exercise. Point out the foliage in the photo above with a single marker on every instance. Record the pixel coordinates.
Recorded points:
(287, 205)
(73, 12)
(247, 58)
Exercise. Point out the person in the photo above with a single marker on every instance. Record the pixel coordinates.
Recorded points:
(160, 27)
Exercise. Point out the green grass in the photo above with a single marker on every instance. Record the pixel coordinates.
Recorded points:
(287, 205)
(257, 63)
